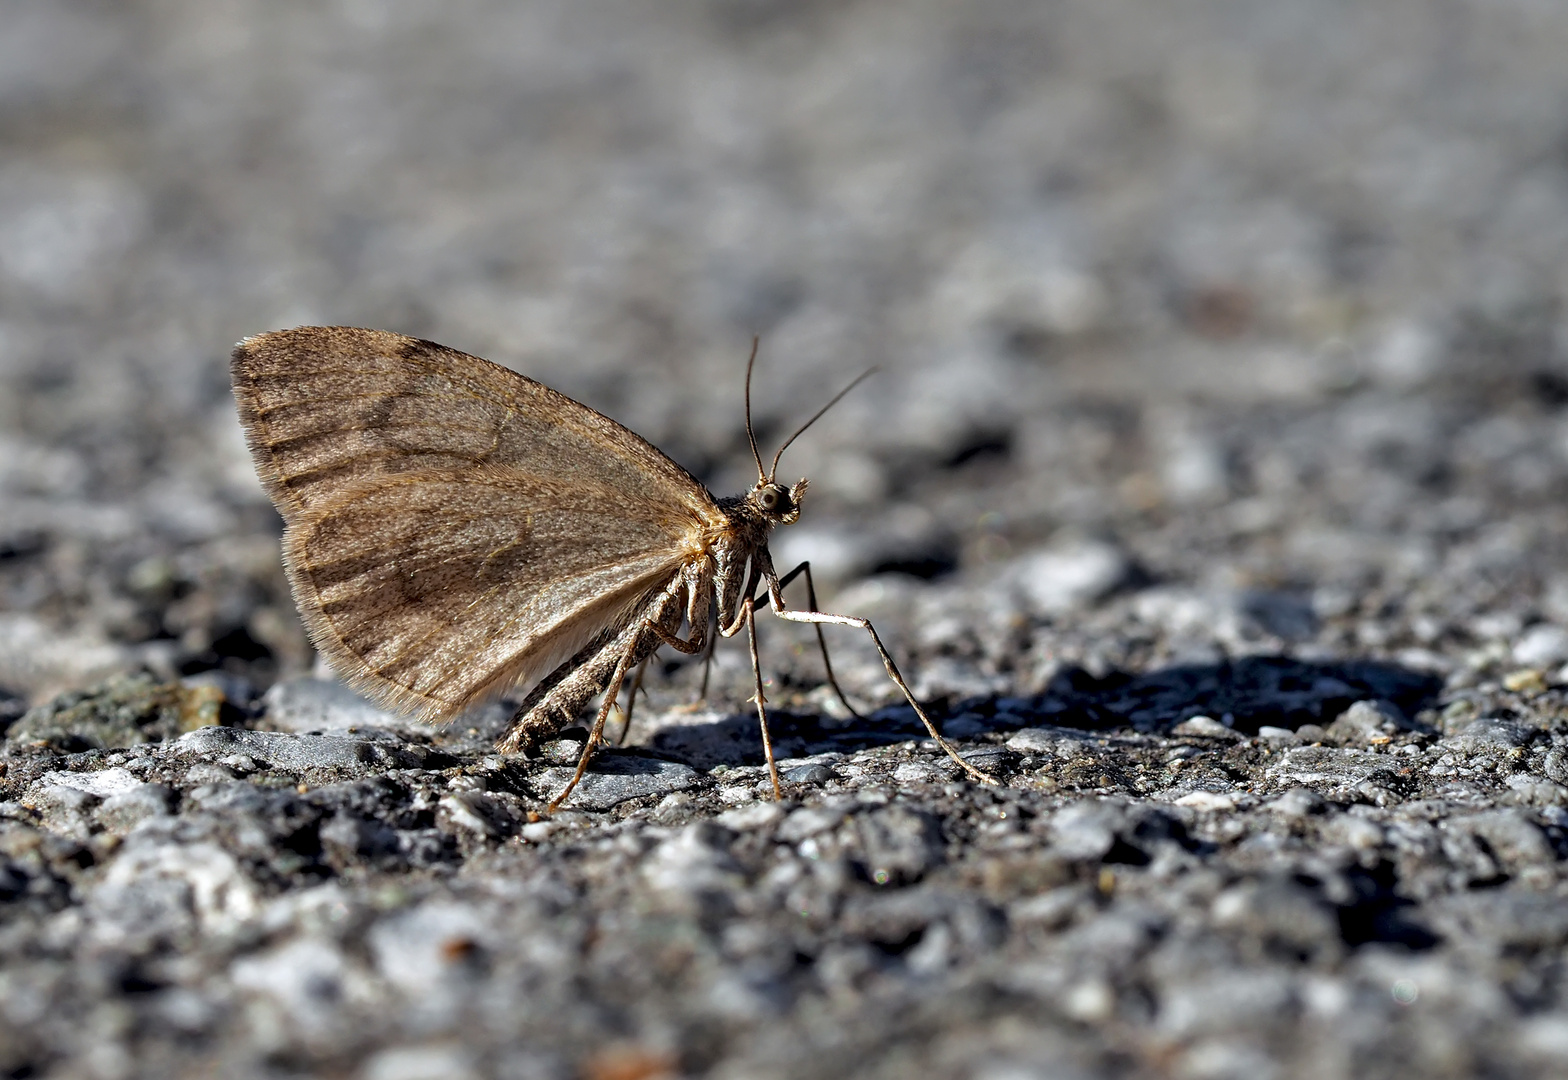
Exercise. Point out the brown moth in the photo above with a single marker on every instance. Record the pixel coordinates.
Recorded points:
(454, 530)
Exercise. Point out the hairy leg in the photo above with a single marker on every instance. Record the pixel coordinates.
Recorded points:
(611, 692)
(631, 701)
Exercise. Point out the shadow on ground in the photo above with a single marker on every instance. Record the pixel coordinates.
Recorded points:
(1246, 695)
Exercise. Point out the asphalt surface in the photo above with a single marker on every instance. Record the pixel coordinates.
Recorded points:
(1211, 492)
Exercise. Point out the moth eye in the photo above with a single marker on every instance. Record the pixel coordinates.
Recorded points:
(769, 499)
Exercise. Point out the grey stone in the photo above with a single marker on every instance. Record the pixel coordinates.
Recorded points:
(128, 710)
(900, 844)
(1045, 740)
(306, 705)
(1366, 722)
(1543, 645)
(1298, 802)
(612, 779)
(1086, 830)
(1489, 735)
(304, 753)
(1206, 727)
(121, 812)
(1323, 765)
(808, 821)
(1071, 575)
(810, 774)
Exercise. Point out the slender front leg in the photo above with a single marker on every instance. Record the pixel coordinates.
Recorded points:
(822, 643)
(776, 601)
(749, 611)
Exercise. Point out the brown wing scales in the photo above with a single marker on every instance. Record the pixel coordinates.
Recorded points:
(324, 407)
(453, 529)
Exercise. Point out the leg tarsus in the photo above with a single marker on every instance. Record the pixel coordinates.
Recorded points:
(611, 692)
(762, 711)
(820, 617)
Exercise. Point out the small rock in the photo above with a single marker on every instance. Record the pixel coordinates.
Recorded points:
(1366, 723)
(1541, 646)
(413, 949)
(1525, 681)
(694, 861)
(1207, 801)
(810, 774)
(475, 812)
(1298, 802)
(1071, 576)
(615, 778)
(444, 1062)
(304, 976)
(1489, 735)
(103, 783)
(1205, 726)
(302, 753)
(208, 772)
(1277, 735)
(1039, 740)
(917, 772)
(751, 818)
(1085, 831)
(122, 812)
(900, 844)
(537, 832)
(1324, 765)
(808, 821)
(127, 710)
(1526, 790)
(302, 705)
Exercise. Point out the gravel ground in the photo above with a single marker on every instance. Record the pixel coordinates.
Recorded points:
(1212, 493)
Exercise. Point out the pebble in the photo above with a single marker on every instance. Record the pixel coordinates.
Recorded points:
(1206, 727)
(808, 821)
(1071, 575)
(303, 753)
(633, 778)
(1208, 801)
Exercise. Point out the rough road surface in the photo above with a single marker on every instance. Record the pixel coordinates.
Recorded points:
(1213, 494)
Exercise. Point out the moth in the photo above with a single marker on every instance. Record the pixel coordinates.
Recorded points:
(454, 530)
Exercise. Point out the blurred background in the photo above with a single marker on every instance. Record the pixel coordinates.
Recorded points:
(1240, 298)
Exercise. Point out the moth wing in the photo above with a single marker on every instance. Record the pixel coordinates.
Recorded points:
(434, 590)
(325, 408)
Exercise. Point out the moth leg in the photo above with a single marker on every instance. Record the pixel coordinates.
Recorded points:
(748, 612)
(750, 594)
(631, 701)
(707, 664)
(811, 601)
(611, 692)
(675, 641)
(776, 601)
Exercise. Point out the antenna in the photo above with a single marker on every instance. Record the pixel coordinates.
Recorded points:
(750, 435)
(862, 377)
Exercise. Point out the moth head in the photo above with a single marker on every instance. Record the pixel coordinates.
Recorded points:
(780, 505)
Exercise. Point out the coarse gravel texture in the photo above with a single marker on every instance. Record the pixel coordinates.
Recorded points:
(1212, 493)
